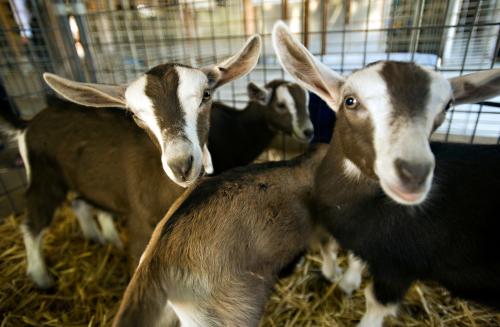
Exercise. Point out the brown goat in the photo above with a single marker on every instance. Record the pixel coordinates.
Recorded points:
(215, 256)
(171, 102)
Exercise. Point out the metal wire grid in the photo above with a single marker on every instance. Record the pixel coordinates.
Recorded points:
(116, 40)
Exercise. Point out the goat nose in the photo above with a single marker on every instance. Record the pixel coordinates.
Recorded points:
(413, 175)
(308, 132)
(181, 166)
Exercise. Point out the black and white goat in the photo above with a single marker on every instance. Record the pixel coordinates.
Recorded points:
(381, 192)
(63, 146)
(214, 266)
(238, 137)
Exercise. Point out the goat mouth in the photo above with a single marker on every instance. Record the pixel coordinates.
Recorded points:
(301, 138)
(400, 195)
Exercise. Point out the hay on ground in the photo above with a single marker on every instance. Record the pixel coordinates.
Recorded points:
(91, 279)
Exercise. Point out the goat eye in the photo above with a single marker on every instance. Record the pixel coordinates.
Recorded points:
(281, 106)
(350, 102)
(206, 95)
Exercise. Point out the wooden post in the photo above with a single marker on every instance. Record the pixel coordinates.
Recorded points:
(305, 27)
(248, 17)
(324, 26)
(284, 9)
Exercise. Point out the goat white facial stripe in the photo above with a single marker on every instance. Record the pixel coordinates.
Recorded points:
(142, 106)
(283, 95)
(190, 93)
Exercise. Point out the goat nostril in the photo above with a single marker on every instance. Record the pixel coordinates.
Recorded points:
(412, 174)
(181, 166)
(187, 167)
(308, 133)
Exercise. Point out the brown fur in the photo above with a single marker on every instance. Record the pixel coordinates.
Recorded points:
(82, 159)
(191, 256)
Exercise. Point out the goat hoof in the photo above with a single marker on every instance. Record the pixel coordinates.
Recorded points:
(331, 272)
(43, 282)
(350, 283)
(118, 243)
(97, 239)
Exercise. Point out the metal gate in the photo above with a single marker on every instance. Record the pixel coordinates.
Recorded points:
(112, 41)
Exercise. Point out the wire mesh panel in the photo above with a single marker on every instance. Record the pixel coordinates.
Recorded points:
(114, 41)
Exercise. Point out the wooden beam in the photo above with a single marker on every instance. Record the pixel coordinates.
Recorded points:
(324, 26)
(284, 9)
(248, 17)
(305, 27)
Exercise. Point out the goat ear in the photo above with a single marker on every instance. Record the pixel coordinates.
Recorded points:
(476, 87)
(257, 93)
(236, 66)
(306, 69)
(87, 94)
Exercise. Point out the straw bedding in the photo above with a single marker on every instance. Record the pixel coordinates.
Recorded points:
(92, 277)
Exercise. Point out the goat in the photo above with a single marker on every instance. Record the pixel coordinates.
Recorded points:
(381, 192)
(121, 187)
(280, 106)
(213, 258)
(241, 135)
(171, 103)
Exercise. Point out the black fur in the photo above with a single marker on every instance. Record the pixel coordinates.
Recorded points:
(453, 238)
(240, 136)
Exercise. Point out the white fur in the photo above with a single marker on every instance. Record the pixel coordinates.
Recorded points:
(284, 96)
(142, 106)
(330, 267)
(207, 160)
(351, 170)
(84, 214)
(36, 267)
(190, 92)
(187, 314)
(407, 139)
(109, 232)
(375, 311)
(308, 63)
(192, 83)
(352, 278)
(23, 151)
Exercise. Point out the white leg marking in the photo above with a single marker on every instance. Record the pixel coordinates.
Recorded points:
(188, 315)
(109, 231)
(375, 311)
(84, 214)
(23, 151)
(351, 280)
(169, 318)
(330, 267)
(36, 268)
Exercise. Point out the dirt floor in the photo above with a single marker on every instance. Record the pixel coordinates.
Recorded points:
(92, 277)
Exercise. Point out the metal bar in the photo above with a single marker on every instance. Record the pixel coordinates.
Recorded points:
(343, 37)
(416, 33)
(228, 29)
(264, 53)
(492, 64)
(79, 12)
(476, 15)
(366, 31)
